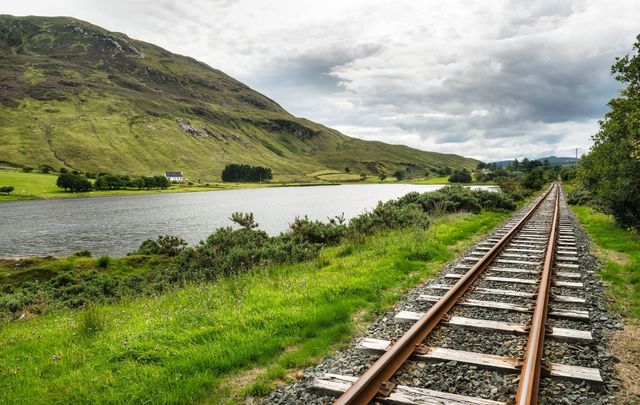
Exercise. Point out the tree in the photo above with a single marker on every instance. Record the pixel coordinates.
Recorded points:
(65, 181)
(399, 174)
(74, 182)
(382, 176)
(535, 179)
(611, 170)
(111, 182)
(481, 165)
(161, 182)
(462, 176)
(347, 170)
(508, 185)
(138, 183)
(6, 189)
(240, 172)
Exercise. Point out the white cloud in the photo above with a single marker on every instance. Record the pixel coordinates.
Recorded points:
(491, 80)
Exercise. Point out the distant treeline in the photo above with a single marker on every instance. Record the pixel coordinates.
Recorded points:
(240, 172)
(75, 182)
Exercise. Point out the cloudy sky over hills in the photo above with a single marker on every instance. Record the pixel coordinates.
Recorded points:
(487, 79)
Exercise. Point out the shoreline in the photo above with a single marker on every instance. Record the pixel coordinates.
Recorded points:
(40, 186)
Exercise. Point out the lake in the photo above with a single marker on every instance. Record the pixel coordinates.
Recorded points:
(117, 225)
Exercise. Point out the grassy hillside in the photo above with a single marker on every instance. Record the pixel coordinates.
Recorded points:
(75, 95)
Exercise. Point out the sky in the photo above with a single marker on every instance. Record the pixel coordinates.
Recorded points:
(488, 79)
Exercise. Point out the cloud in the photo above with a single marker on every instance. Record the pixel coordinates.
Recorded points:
(491, 80)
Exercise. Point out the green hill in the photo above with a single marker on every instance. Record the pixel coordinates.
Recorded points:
(78, 96)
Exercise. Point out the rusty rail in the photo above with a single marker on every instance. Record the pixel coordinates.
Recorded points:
(527, 393)
(376, 379)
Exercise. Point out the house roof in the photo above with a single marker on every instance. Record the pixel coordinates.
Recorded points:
(173, 174)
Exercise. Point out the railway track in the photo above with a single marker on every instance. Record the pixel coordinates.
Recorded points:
(517, 300)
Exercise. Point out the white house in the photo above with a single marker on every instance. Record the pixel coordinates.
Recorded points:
(174, 176)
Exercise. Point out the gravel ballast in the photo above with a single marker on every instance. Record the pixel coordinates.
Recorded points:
(477, 381)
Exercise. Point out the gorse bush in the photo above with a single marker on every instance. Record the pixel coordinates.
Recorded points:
(165, 245)
(316, 232)
(462, 176)
(230, 251)
(390, 215)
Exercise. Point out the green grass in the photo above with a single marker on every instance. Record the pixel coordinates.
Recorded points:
(15, 272)
(34, 186)
(620, 251)
(216, 342)
(433, 180)
(445, 180)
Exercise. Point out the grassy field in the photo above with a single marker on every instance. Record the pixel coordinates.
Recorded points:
(620, 251)
(35, 186)
(218, 342)
(445, 180)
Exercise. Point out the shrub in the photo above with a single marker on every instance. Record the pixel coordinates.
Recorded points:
(451, 199)
(27, 169)
(492, 200)
(245, 220)
(45, 169)
(462, 176)
(104, 262)
(316, 232)
(165, 245)
(578, 196)
(83, 253)
(6, 189)
(390, 215)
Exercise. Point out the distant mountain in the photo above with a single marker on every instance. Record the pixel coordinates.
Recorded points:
(78, 96)
(554, 160)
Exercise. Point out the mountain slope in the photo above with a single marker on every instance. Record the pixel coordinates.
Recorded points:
(75, 95)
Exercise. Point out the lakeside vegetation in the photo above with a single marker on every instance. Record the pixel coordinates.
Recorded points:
(227, 251)
(34, 185)
(219, 341)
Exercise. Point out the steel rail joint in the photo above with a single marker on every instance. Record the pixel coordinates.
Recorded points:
(368, 386)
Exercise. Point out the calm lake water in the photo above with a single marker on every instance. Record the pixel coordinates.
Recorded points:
(117, 225)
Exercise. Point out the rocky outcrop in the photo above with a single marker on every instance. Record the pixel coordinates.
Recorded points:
(187, 127)
(291, 127)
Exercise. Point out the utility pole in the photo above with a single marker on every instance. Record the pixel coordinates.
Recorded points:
(576, 153)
